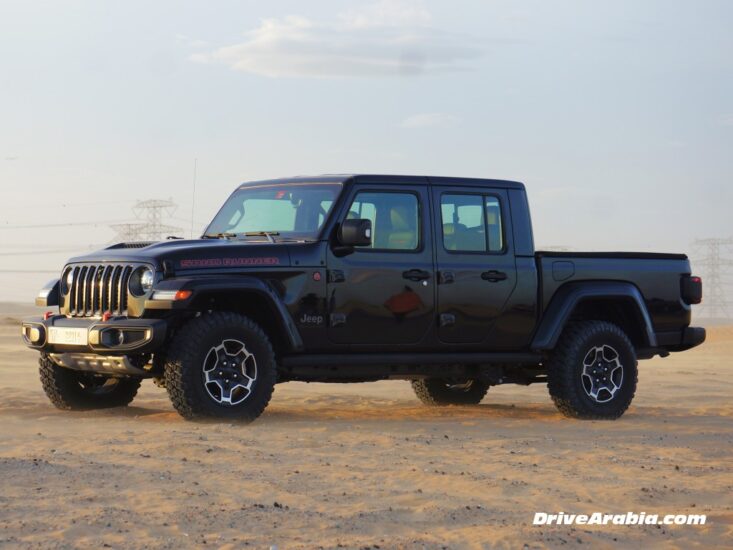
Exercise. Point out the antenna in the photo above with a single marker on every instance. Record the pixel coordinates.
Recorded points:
(193, 194)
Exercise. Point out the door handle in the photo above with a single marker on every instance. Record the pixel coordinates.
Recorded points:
(493, 276)
(416, 275)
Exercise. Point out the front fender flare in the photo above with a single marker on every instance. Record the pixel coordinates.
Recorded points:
(199, 287)
(570, 295)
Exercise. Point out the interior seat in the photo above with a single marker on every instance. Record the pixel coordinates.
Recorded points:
(403, 234)
(450, 230)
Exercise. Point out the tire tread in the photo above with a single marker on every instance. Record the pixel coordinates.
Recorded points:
(561, 372)
(188, 342)
(60, 386)
(434, 393)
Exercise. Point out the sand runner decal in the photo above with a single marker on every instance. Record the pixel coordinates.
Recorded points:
(229, 262)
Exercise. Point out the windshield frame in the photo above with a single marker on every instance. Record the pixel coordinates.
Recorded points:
(283, 235)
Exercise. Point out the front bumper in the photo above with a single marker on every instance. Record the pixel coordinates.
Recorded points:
(118, 336)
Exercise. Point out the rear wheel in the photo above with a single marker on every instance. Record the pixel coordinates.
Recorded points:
(592, 372)
(75, 390)
(442, 391)
(220, 365)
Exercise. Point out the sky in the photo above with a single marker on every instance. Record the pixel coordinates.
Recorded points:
(617, 115)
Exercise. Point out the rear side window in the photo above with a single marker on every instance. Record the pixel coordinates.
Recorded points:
(395, 219)
(471, 223)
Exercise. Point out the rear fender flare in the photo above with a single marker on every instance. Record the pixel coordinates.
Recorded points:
(569, 296)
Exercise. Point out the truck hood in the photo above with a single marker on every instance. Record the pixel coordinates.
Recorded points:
(197, 253)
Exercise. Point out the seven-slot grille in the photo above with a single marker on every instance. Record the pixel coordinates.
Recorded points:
(97, 288)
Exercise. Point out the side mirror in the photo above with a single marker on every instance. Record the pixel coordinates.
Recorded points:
(355, 233)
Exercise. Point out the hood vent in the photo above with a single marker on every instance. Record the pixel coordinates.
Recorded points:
(138, 244)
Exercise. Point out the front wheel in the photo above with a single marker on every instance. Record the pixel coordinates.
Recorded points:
(592, 372)
(441, 391)
(220, 365)
(75, 390)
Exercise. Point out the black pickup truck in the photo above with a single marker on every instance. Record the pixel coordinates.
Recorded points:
(350, 278)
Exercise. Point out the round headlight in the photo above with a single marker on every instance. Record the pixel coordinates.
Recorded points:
(141, 281)
(146, 280)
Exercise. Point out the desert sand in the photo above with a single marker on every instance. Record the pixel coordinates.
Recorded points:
(366, 465)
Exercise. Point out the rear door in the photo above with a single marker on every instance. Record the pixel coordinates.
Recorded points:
(385, 293)
(475, 262)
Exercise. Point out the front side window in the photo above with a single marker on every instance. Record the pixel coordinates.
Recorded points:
(395, 219)
(471, 223)
(294, 210)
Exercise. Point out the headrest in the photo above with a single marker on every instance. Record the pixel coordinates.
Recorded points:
(399, 217)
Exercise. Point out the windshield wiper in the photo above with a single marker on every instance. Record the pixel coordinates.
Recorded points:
(219, 236)
(267, 234)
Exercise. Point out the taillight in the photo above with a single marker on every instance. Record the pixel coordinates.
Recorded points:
(691, 289)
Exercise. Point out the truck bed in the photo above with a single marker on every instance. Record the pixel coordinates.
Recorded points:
(656, 275)
(610, 255)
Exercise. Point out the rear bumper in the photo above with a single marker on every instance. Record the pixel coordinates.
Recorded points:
(118, 336)
(681, 340)
(691, 337)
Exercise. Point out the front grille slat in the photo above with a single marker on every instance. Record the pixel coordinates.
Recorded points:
(113, 288)
(94, 304)
(88, 284)
(122, 287)
(81, 290)
(73, 289)
(97, 288)
(103, 289)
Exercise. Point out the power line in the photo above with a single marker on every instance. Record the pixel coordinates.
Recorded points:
(57, 205)
(53, 251)
(47, 225)
(29, 271)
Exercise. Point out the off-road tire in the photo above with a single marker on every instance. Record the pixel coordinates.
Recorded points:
(187, 353)
(437, 392)
(72, 390)
(566, 365)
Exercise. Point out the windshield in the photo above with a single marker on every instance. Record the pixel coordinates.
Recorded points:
(290, 210)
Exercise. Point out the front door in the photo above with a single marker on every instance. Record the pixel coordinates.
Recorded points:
(384, 293)
(475, 262)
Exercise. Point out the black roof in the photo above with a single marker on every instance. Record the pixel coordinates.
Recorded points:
(392, 179)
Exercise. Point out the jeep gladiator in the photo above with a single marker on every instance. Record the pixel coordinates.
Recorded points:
(355, 278)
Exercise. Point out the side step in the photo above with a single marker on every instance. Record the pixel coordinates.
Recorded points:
(386, 359)
(499, 368)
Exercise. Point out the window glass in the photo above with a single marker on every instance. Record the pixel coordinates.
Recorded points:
(493, 224)
(290, 209)
(394, 217)
(324, 209)
(471, 223)
(464, 227)
(265, 215)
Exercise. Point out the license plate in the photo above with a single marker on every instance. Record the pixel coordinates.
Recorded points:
(68, 336)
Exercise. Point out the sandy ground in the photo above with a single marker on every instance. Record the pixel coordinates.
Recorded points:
(366, 465)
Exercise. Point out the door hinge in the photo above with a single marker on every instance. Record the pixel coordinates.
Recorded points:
(446, 277)
(336, 276)
(447, 319)
(337, 319)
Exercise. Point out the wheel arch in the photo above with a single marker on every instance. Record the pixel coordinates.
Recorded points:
(620, 303)
(255, 299)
